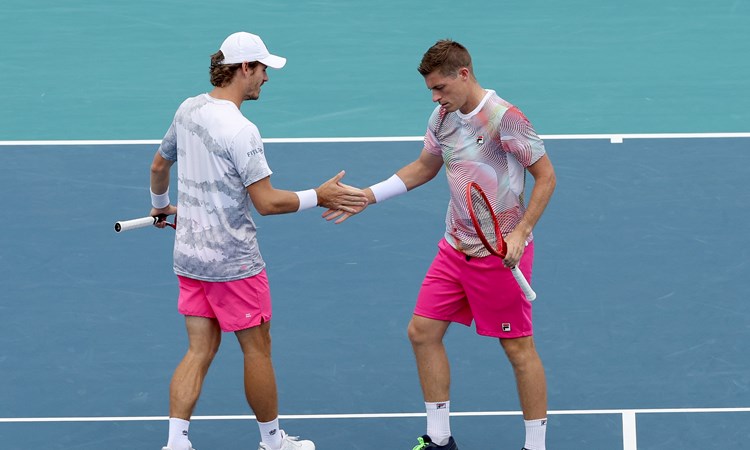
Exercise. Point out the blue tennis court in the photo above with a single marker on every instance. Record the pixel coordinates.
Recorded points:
(640, 320)
(641, 258)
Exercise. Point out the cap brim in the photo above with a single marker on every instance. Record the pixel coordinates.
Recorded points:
(273, 61)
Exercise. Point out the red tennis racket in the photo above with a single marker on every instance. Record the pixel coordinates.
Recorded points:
(488, 229)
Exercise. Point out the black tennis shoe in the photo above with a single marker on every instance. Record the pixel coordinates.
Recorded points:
(425, 442)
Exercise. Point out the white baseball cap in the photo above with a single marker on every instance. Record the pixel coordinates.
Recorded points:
(247, 47)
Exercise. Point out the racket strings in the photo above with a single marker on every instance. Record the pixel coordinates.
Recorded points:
(483, 215)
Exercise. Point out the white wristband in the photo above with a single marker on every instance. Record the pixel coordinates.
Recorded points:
(307, 199)
(160, 201)
(391, 187)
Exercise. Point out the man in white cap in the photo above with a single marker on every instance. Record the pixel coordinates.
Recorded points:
(222, 172)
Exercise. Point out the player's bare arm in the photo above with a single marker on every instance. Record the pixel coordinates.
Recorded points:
(331, 194)
(420, 171)
(544, 186)
(160, 168)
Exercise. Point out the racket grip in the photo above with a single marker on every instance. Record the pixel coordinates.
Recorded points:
(125, 225)
(525, 286)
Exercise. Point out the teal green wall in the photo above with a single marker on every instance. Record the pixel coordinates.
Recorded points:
(117, 69)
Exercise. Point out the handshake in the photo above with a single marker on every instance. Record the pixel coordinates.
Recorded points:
(342, 200)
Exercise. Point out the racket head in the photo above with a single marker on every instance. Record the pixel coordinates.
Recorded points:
(484, 220)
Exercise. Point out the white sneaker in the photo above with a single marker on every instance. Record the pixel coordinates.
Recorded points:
(290, 443)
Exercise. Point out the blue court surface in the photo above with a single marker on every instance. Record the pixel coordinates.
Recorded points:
(641, 270)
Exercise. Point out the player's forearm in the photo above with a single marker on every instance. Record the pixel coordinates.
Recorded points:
(276, 201)
(160, 168)
(418, 173)
(410, 176)
(541, 194)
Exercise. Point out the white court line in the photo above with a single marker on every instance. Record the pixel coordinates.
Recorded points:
(629, 439)
(624, 412)
(613, 138)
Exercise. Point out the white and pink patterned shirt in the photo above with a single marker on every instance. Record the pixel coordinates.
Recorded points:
(492, 146)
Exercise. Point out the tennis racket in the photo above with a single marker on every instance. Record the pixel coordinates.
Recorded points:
(488, 229)
(126, 225)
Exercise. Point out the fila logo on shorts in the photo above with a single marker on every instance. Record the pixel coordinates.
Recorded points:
(506, 327)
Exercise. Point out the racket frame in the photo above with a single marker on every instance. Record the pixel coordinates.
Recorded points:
(501, 249)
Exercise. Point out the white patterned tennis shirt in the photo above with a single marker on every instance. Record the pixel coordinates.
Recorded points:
(219, 152)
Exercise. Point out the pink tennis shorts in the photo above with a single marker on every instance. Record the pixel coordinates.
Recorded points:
(236, 305)
(483, 290)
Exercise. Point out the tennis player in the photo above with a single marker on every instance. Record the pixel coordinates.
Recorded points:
(222, 172)
(478, 137)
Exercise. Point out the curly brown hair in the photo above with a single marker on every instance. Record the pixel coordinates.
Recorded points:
(447, 56)
(222, 74)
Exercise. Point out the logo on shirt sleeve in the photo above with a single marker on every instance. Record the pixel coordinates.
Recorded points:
(255, 151)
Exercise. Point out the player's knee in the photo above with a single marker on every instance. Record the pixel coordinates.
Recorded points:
(416, 336)
(262, 345)
(520, 351)
(419, 333)
(204, 354)
(257, 345)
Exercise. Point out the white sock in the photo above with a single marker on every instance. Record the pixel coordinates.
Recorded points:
(438, 421)
(270, 434)
(178, 434)
(536, 433)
